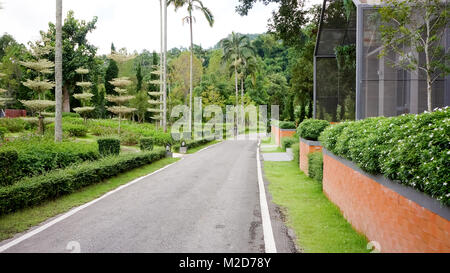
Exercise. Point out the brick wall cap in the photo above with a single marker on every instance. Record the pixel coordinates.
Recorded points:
(410, 193)
(310, 142)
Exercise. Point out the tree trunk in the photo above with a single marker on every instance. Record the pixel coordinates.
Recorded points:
(66, 100)
(191, 74)
(429, 95)
(165, 69)
(41, 125)
(58, 73)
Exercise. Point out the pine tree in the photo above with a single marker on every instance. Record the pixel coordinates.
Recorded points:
(112, 72)
(3, 99)
(139, 77)
(40, 84)
(85, 97)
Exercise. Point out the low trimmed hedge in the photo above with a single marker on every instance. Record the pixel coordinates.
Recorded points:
(34, 191)
(108, 146)
(411, 149)
(191, 143)
(287, 142)
(37, 155)
(287, 125)
(315, 166)
(146, 144)
(311, 129)
(296, 151)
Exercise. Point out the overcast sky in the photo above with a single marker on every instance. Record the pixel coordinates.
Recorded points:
(133, 24)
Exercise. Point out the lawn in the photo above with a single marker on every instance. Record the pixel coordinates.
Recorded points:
(20, 221)
(318, 224)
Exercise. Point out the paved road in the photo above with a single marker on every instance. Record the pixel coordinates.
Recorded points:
(207, 202)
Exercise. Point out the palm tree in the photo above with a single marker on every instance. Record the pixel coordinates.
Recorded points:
(238, 50)
(58, 72)
(191, 6)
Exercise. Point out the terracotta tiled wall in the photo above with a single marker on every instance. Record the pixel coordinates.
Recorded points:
(395, 222)
(306, 149)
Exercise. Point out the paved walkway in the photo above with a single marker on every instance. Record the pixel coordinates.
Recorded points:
(207, 202)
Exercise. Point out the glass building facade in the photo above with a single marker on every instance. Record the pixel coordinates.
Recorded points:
(379, 88)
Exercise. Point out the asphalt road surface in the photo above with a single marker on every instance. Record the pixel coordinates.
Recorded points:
(207, 202)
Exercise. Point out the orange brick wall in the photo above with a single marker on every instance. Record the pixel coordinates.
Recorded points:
(397, 223)
(306, 149)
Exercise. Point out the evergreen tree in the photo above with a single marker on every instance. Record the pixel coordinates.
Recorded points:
(84, 97)
(112, 72)
(139, 77)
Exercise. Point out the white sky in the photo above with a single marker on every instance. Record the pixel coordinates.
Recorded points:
(133, 24)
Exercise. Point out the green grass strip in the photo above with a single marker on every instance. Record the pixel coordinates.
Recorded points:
(318, 224)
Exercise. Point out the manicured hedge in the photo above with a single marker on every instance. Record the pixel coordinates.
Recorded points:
(108, 146)
(311, 129)
(146, 144)
(287, 125)
(37, 155)
(315, 166)
(33, 191)
(411, 149)
(191, 144)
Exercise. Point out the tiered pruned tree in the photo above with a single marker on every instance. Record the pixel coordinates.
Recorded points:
(121, 100)
(156, 103)
(85, 97)
(40, 85)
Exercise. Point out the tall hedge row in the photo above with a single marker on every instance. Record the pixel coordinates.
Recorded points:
(411, 149)
(35, 190)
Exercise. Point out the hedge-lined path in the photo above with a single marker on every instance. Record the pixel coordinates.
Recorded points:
(207, 202)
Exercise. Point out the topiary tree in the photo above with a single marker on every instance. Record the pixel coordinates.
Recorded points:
(121, 110)
(85, 97)
(156, 102)
(40, 84)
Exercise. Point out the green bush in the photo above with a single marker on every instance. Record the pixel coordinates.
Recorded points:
(146, 144)
(3, 132)
(8, 158)
(311, 129)
(36, 190)
(287, 125)
(72, 130)
(191, 144)
(288, 141)
(70, 115)
(108, 146)
(14, 125)
(411, 149)
(296, 151)
(315, 166)
(129, 139)
(98, 130)
(37, 155)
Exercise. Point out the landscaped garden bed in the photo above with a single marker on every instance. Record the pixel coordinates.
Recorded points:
(282, 129)
(309, 132)
(389, 177)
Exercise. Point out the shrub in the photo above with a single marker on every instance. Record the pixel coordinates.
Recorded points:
(311, 129)
(73, 130)
(13, 125)
(8, 158)
(129, 139)
(315, 166)
(410, 149)
(33, 191)
(108, 146)
(37, 155)
(288, 141)
(98, 130)
(3, 132)
(146, 144)
(287, 125)
(70, 115)
(296, 151)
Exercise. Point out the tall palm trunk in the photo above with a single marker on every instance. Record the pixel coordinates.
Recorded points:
(165, 69)
(242, 101)
(58, 72)
(161, 58)
(191, 69)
